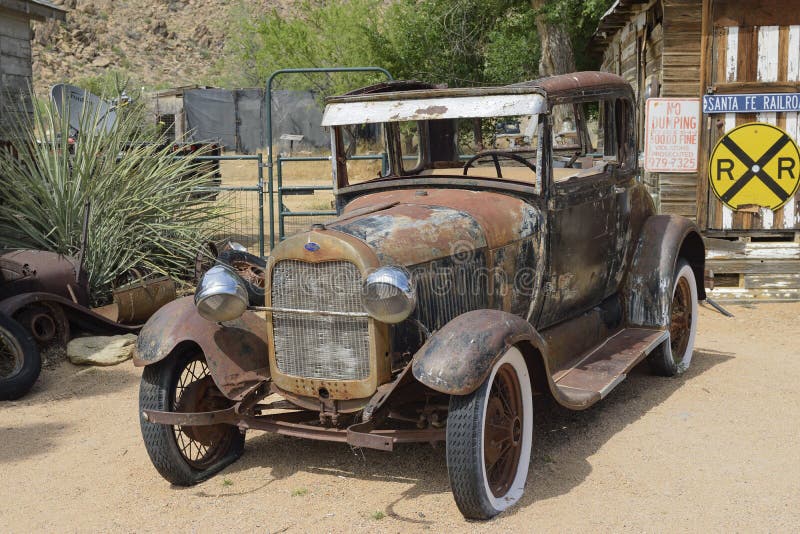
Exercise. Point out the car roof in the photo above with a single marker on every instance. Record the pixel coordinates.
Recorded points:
(554, 88)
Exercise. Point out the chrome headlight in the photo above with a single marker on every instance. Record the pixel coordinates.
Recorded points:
(389, 294)
(221, 295)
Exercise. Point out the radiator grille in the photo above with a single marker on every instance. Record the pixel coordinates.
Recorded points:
(449, 287)
(313, 346)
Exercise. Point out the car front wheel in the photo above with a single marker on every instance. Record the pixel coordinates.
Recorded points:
(186, 455)
(674, 355)
(489, 435)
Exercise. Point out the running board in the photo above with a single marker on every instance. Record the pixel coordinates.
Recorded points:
(599, 371)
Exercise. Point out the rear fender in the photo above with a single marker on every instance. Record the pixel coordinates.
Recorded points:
(235, 351)
(458, 358)
(647, 290)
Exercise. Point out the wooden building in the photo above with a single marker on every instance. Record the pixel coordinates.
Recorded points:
(704, 49)
(15, 54)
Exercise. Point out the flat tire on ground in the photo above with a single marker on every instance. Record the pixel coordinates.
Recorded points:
(186, 455)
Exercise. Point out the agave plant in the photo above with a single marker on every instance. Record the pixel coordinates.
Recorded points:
(145, 210)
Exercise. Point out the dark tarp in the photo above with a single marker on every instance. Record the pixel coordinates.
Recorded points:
(211, 116)
(237, 119)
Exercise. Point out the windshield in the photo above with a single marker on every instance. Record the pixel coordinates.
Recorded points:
(436, 136)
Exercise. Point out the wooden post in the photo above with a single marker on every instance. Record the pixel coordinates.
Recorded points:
(706, 45)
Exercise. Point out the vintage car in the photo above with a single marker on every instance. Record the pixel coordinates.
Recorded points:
(449, 290)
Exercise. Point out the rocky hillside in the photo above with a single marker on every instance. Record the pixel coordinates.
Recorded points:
(159, 43)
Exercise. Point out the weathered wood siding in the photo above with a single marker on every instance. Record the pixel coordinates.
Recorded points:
(15, 68)
(681, 78)
(763, 54)
(660, 41)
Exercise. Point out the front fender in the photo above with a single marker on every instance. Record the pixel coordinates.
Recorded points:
(648, 285)
(459, 357)
(235, 351)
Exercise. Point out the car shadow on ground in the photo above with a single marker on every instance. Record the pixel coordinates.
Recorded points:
(561, 435)
(68, 381)
(24, 441)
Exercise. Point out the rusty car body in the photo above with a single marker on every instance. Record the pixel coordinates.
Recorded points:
(47, 295)
(444, 295)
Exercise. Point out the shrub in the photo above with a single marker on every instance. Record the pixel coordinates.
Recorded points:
(142, 212)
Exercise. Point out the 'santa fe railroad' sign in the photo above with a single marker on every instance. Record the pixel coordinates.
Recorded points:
(774, 102)
(755, 164)
(671, 134)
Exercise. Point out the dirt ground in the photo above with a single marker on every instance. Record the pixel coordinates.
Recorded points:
(714, 449)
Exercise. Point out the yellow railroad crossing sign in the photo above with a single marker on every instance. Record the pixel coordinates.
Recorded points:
(755, 163)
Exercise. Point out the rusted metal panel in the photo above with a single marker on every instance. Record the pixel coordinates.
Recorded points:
(408, 234)
(81, 316)
(236, 351)
(502, 218)
(458, 358)
(140, 299)
(25, 271)
(648, 285)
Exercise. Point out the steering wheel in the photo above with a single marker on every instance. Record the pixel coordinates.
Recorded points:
(495, 155)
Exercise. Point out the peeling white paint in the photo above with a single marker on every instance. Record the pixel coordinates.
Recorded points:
(768, 42)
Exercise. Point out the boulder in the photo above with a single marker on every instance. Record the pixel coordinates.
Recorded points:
(101, 350)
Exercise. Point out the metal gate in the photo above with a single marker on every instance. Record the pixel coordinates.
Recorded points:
(320, 207)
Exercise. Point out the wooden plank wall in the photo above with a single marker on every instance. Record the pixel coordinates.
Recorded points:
(635, 52)
(662, 38)
(15, 67)
(754, 54)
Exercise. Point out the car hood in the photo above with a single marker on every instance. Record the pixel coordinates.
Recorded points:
(410, 227)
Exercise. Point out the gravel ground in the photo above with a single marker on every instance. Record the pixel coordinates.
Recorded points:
(714, 449)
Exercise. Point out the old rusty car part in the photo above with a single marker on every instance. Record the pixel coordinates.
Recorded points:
(138, 299)
(20, 361)
(551, 275)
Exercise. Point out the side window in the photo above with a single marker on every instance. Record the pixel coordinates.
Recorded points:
(626, 133)
(584, 139)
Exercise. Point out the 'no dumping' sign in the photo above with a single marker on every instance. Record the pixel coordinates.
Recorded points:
(755, 164)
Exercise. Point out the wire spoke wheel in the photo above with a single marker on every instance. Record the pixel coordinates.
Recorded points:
(195, 392)
(675, 355)
(186, 455)
(503, 431)
(680, 320)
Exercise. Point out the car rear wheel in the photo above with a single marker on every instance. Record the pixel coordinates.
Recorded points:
(489, 436)
(186, 455)
(674, 355)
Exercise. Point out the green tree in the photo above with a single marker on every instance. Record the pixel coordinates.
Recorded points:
(330, 34)
(456, 42)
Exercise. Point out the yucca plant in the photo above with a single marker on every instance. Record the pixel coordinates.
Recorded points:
(143, 212)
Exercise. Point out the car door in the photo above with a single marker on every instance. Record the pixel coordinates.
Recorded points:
(583, 214)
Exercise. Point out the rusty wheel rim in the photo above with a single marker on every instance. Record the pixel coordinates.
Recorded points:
(680, 324)
(11, 356)
(194, 391)
(502, 433)
(252, 273)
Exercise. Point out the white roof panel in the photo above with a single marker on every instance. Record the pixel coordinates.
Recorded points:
(450, 107)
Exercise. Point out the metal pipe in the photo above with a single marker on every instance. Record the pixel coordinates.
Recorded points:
(261, 207)
(308, 312)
